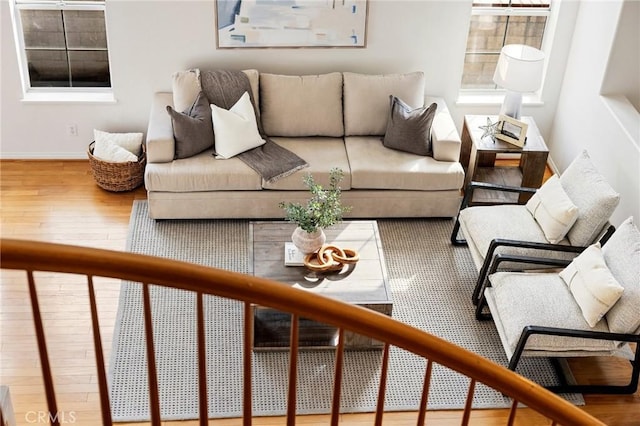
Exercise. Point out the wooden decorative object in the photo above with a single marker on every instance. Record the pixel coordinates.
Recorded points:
(321, 262)
(330, 258)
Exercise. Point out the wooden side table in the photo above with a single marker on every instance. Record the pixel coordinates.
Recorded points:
(478, 155)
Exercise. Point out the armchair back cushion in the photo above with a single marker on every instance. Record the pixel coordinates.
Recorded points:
(595, 198)
(622, 255)
(366, 100)
(542, 299)
(301, 105)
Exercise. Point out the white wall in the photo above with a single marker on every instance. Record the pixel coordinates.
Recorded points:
(584, 118)
(623, 70)
(150, 39)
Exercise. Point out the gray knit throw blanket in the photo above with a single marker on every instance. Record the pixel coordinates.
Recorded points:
(271, 161)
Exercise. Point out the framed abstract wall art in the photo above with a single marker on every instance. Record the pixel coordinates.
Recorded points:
(291, 23)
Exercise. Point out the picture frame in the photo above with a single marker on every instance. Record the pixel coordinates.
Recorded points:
(511, 130)
(291, 24)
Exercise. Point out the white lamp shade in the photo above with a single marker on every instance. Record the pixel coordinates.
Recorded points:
(519, 68)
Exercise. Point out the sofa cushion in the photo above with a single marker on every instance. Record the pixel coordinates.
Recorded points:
(595, 198)
(542, 299)
(552, 208)
(185, 86)
(322, 154)
(622, 255)
(591, 283)
(366, 99)
(373, 166)
(236, 129)
(409, 129)
(193, 128)
(201, 172)
(306, 105)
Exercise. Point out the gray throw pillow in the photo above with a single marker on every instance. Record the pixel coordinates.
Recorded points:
(409, 129)
(193, 128)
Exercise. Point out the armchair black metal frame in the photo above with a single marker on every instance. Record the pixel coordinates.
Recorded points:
(467, 201)
(530, 330)
(502, 242)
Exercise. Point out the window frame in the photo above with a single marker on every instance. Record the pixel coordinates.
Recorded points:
(495, 95)
(57, 94)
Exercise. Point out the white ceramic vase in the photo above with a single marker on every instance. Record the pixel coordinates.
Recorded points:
(308, 242)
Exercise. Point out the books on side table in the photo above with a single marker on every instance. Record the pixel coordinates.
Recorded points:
(292, 256)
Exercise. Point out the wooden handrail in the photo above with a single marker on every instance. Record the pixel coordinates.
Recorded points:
(50, 257)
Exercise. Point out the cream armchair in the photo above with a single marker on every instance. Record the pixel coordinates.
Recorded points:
(590, 308)
(532, 229)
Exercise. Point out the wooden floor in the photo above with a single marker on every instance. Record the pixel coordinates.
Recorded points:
(59, 201)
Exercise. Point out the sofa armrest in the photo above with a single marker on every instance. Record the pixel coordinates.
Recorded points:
(444, 135)
(160, 142)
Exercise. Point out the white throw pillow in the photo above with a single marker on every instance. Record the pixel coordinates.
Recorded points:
(591, 283)
(132, 142)
(235, 129)
(553, 210)
(108, 151)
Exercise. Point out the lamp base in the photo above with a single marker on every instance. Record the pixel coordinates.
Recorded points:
(512, 105)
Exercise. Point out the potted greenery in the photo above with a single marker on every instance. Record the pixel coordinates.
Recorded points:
(322, 210)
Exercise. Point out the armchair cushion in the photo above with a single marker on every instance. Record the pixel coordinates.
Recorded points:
(622, 255)
(521, 299)
(482, 224)
(595, 198)
(591, 283)
(553, 210)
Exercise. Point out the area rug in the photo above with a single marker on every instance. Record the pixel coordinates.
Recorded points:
(431, 283)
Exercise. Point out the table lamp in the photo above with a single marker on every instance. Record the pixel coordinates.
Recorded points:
(519, 70)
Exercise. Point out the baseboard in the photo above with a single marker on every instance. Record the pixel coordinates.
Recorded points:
(552, 166)
(43, 156)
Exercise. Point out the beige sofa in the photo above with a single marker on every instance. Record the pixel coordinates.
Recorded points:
(330, 120)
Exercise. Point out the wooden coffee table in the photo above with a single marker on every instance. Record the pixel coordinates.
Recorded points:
(364, 284)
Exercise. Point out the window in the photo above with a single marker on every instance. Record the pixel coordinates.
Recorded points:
(495, 24)
(62, 44)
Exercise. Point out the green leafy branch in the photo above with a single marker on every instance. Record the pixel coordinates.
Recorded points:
(324, 207)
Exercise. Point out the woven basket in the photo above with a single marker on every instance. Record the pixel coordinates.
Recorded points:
(117, 177)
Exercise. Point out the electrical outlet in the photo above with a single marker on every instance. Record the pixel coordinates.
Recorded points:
(72, 130)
